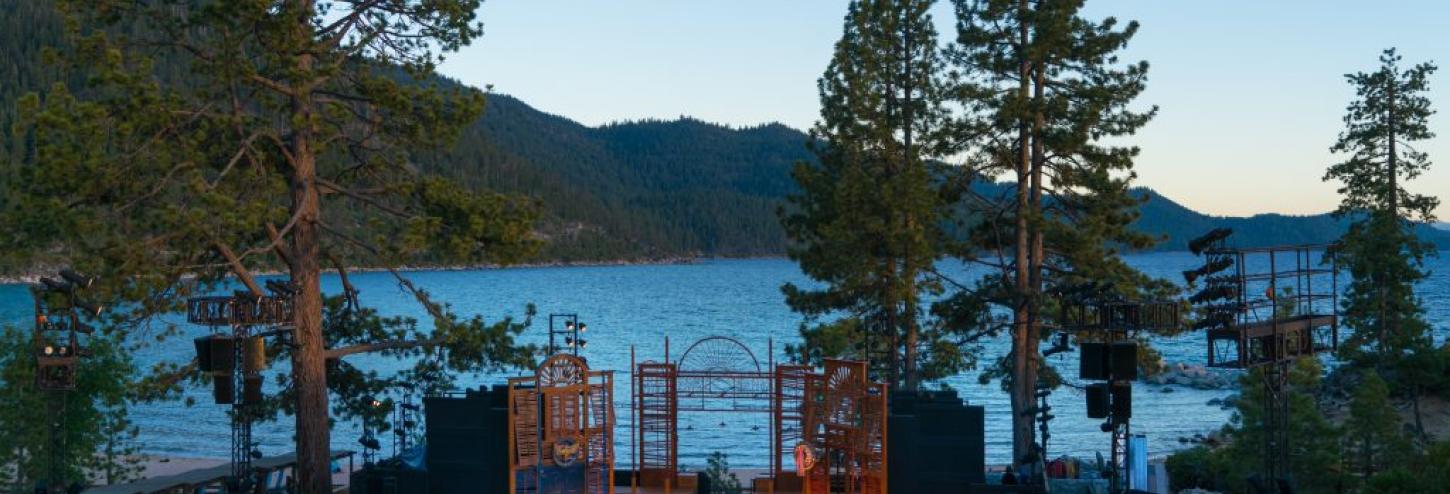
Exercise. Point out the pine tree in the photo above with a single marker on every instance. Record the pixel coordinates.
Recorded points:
(98, 439)
(1383, 254)
(1043, 89)
(285, 142)
(867, 220)
(1373, 430)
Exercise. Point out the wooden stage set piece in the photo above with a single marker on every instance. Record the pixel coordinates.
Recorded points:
(831, 426)
(561, 429)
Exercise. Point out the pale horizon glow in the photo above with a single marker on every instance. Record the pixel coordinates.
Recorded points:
(1251, 94)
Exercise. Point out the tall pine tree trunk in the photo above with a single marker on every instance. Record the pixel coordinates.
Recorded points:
(1022, 376)
(1036, 257)
(908, 160)
(309, 373)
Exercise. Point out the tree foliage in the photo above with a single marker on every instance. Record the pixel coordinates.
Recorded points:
(1315, 458)
(867, 222)
(1043, 93)
(287, 141)
(1382, 250)
(97, 439)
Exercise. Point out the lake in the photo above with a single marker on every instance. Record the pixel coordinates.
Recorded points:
(639, 305)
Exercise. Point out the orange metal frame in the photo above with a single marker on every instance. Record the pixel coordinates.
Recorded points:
(840, 414)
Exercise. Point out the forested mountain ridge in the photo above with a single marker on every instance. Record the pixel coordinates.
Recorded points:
(635, 190)
(645, 189)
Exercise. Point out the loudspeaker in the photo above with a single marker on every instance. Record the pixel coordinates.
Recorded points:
(252, 390)
(254, 354)
(223, 354)
(1097, 400)
(1124, 360)
(203, 353)
(1092, 362)
(1122, 401)
(222, 390)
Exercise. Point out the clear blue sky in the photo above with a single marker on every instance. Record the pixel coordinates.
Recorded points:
(1251, 91)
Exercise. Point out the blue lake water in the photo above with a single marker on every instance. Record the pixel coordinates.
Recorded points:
(640, 306)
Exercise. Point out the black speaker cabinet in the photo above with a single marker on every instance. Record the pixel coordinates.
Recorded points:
(1124, 360)
(252, 390)
(223, 354)
(223, 390)
(203, 353)
(1092, 362)
(1122, 401)
(1097, 400)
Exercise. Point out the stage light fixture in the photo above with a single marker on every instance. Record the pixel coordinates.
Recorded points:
(281, 288)
(91, 309)
(370, 442)
(1198, 245)
(569, 325)
(583, 327)
(248, 296)
(79, 280)
(49, 350)
(56, 286)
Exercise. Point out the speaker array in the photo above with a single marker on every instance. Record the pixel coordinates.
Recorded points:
(1116, 364)
(217, 355)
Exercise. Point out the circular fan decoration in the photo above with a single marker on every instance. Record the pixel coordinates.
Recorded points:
(719, 354)
(562, 370)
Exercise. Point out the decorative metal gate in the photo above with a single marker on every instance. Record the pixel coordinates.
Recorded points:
(561, 429)
(844, 431)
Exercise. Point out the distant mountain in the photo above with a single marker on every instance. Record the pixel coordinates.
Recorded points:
(1179, 224)
(683, 187)
(643, 189)
(635, 190)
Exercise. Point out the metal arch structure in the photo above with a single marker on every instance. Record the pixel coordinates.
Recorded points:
(719, 374)
(714, 374)
(718, 354)
(838, 414)
(845, 428)
(561, 429)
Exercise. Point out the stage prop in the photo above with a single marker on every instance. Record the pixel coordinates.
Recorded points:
(832, 426)
(561, 429)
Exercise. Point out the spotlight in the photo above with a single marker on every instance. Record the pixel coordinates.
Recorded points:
(583, 343)
(370, 442)
(569, 340)
(49, 350)
(91, 309)
(63, 351)
(256, 454)
(248, 296)
(56, 286)
(1198, 245)
(77, 279)
(281, 288)
(583, 327)
(569, 325)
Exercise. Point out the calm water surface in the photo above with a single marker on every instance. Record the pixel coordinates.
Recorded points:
(640, 306)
